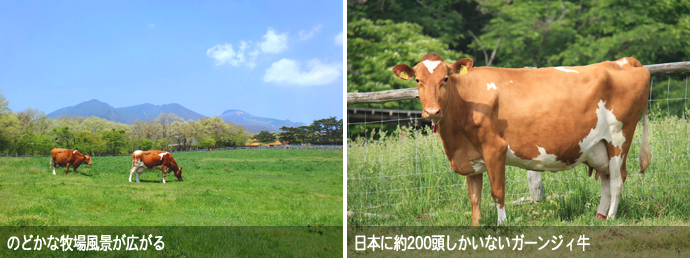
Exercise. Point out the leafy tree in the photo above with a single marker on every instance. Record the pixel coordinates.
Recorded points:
(652, 31)
(9, 126)
(374, 47)
(64, 137)
(288, 134)
(265, 137)
(89, 142)
(115, 141)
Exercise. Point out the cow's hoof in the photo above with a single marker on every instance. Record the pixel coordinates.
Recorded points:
(599, 215)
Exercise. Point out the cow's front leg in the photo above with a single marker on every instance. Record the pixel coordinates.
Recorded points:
(134, 168)
(474, 186)
(67, 170)
(164, 168)
(52, 165)
(495, 157)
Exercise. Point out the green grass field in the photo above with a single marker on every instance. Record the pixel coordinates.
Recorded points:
(403, 179)
(220, 188)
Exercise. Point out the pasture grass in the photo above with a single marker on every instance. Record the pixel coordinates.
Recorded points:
(404, 179)
(220, 188)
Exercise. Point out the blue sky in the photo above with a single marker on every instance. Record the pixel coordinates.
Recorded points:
(278, 59)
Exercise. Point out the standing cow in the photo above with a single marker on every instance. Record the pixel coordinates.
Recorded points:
(67, 158)
(154, 159)
(548, 119)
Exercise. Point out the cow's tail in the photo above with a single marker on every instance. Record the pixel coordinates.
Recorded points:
(51, 163)
(645, 154)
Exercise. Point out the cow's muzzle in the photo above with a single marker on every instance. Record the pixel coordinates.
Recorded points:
(433, 114)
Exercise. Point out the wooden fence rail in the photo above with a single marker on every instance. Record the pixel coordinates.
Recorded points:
(412, 93)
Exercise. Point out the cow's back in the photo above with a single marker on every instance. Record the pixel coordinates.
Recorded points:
(60, 156)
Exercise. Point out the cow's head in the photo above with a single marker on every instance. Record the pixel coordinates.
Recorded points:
(433, 81)
(87, 160)
(178, 173)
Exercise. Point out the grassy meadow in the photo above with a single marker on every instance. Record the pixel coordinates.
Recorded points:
(403, 179)
(220, 188)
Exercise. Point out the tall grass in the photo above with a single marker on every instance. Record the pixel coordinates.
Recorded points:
(403, 178)
(220, 188)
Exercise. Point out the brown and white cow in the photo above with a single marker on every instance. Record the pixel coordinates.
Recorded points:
(67, 158)
(154, 159)
(548, 119)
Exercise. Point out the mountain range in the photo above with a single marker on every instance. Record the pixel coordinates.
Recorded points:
(128, 115)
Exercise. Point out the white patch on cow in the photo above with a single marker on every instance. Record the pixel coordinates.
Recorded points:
(501, 214)
(75, 151)
(490, 86)
(511, 81)
(53, 170)
(560, 68)
(479, 166)
(622, 62)
(136, 152)
(162, 154)
(543, 162)
(608, 128)
(431, 65)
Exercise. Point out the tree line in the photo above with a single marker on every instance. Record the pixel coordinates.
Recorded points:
(321, 131)
(30, 132)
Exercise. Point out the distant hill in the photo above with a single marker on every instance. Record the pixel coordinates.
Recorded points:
(146, 111)
(128, 115)
(125, 115)
(256, 124)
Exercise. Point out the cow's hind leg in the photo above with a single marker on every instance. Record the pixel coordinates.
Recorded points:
(605, 203)
(615, 167)
(165, 169)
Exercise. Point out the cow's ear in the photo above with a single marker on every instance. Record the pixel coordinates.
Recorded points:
(462, 66)
(403, 71)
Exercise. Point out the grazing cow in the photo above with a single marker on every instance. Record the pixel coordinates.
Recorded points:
(548, 119)
(67, 158)
(154, 159)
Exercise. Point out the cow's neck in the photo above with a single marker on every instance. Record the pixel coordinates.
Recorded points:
(453, 123)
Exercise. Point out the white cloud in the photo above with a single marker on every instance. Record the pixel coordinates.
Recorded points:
(304, 35)
(289, 72)
(274, 43)
(338, 39)
(226, 54)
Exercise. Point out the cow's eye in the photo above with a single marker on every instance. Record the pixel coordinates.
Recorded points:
(446, 79)
(417, 80)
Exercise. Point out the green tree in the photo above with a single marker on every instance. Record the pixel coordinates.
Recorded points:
(265, 137)
(9, 126)
(288, 134)
(89, 142)
(115, 141)
(374, 47)
(64, 137)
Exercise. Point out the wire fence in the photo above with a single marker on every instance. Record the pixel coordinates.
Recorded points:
(395, 162)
